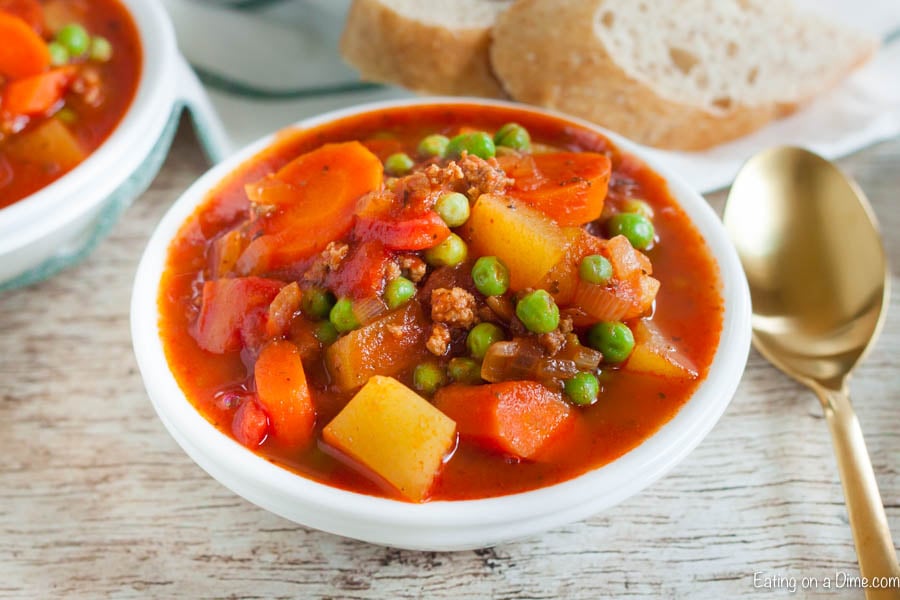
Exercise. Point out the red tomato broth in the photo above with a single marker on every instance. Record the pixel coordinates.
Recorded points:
(631, 406)
(94, 123)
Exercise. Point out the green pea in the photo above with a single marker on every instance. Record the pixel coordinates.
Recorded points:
(450, 252)
(428, 377)
(513, 135)
(59, 54)
(481, 337)
(613, 339)
(326, 332)
(491, 276)
(478, 143)
(434, 145)
(342, 317)
(635, 205)
(75, 38)
(398, 164)
(595, 269)
(636, 227)
(317, 303)
(101, 49)
(538, 312)
(464, 370)
(582, 389)
(398, 291)
(453, 208)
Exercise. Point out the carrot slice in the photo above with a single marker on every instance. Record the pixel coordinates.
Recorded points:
(314, 200)
(569, 187)
(284, 394)
(515, 417)
(37, 94)
(23, 53)
(29, 11)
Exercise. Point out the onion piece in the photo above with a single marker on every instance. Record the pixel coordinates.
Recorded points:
(522, 359)
(368, 309)
(584, 358)
(602, 303)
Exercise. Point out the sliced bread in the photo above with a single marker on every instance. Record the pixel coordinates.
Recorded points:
(678, 74)
(430, 46)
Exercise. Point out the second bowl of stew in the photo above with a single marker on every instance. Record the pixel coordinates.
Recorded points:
(439, 324)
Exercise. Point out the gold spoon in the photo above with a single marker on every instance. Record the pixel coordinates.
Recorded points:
(810, 246)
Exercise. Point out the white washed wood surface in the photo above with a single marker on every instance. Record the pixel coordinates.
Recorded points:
(96, 500)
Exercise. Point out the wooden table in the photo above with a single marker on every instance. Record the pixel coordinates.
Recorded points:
(96, 500)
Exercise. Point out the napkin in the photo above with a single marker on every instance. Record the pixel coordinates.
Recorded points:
(266, 64)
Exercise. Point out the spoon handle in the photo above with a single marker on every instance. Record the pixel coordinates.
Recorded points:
(874, 547)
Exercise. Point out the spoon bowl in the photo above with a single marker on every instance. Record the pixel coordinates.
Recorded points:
(810, 246)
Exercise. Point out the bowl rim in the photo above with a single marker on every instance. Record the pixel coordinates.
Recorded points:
(590, 492)
(121, 154)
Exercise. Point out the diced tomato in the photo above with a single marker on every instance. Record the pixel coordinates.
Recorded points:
(313, 200)
(37, 94)
(417, 233)
(569, 187)
(284, 393)
(515, 417)
(250, 424)
(361, 275)
(234, 312)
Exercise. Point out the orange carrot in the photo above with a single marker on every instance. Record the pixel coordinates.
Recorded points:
(515, 417)
(37, 94)
(23, 53)
(29, 11)
(315, 199)
(569, 187)
(284, 394)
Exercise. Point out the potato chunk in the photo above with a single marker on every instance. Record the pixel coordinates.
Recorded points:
(654, 354)
(395, 433)
(528, 242)
(387, 346)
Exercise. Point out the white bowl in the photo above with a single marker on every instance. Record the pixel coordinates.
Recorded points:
(438, 525)
(60, 224)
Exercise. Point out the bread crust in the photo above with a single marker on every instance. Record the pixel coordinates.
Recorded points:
(575, 74)
(388, 47)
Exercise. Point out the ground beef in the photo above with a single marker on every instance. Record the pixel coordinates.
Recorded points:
(553, 341)
(392, 271)
(483, 176)
(329, 260)
(439, 342)
(414, 267)
(565, 324)
(453, 306)
(444, 177)
(89, 85)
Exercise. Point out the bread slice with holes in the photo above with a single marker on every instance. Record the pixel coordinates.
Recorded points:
(430, 46)
(684, 74)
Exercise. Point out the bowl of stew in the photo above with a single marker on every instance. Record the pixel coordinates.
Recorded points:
(89, 98)
(439, 324)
